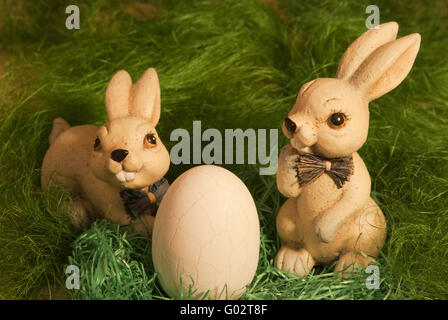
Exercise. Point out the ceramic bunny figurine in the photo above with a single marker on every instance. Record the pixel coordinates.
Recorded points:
(330, 215)
(101, 167)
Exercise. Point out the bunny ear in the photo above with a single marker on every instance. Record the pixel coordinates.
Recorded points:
(362, 47)
(145, 97)
(386, 67)
(117, 95)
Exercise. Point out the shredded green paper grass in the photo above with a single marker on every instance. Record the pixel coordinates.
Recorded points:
(229, 64)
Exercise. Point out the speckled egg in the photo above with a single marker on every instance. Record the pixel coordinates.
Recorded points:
(206, 235)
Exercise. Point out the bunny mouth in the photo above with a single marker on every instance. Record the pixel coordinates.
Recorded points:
(301, 148)
(125, 176)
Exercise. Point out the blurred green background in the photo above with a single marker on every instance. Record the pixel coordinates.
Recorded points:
(230, 64)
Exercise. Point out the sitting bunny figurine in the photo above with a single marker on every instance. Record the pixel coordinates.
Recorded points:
(104, 167)
(330, 215)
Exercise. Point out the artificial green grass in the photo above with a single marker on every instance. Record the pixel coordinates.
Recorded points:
(118, 265)
(230, 64)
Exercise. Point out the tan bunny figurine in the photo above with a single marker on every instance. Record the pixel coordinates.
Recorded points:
(330, 215)
(112, 170)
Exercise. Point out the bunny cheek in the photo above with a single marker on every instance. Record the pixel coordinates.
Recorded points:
(98, 166)
(340, 143)
(156, 163)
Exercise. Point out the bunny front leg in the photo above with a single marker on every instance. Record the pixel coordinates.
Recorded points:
(115, 212)
(292, 257)
(143, 224)
(355, 195)
(287, 182)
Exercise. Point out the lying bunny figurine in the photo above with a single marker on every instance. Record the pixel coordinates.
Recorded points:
(330, 215)
(99, 165)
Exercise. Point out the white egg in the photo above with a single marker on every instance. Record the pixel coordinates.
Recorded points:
(207, 235)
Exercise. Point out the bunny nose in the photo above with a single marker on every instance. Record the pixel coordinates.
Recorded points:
(307, 135)
(119, 154)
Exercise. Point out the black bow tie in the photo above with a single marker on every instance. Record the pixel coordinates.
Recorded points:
(310, 167)
(137, 202)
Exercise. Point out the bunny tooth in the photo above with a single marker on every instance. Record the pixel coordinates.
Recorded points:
(120, 176)
(124, 176)
(129, 175)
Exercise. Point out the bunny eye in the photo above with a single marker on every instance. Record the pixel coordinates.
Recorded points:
(150, 141)
(97, 144)
(290, 125)
(337, 120)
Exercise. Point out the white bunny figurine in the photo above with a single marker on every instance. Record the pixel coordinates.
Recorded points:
(104, 167)
(330, 215)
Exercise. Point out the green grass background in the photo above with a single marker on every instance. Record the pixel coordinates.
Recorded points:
(230, 64)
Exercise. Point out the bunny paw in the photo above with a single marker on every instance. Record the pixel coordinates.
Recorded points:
(351, 262)
(137, 202)
(297, 261)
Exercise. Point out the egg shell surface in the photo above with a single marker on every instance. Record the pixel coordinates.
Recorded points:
(207, 233)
